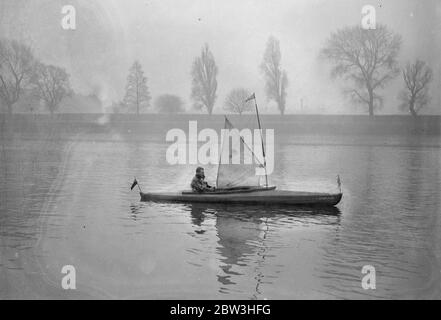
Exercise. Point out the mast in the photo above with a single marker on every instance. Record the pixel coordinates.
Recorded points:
(220, 153)
(261, 138)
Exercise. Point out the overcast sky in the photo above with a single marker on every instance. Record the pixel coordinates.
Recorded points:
(166, 35)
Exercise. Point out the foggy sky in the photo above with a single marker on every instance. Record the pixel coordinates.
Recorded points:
(166, 35)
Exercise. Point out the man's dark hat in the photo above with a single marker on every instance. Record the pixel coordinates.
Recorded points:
(199, 169)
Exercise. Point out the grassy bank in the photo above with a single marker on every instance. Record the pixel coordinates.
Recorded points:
(160, 123)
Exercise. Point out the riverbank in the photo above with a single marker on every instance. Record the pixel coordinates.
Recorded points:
(161, 123)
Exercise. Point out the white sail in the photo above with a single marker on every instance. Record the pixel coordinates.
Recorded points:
(237, 165)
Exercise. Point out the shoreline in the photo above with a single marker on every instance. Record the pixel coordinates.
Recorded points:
(129, 124)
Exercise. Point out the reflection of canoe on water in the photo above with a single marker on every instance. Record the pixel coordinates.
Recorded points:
(257, 195)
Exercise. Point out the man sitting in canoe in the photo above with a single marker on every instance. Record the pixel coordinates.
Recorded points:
(198, 184)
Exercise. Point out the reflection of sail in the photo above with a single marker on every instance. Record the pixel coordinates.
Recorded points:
(236, 166)
(235, 234)
(242, 232)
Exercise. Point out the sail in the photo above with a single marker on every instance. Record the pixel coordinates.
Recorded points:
(237, 163)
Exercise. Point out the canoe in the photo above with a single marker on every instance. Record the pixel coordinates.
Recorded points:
(264, 195)
(232, 178)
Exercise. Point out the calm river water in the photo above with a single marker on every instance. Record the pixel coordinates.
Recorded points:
(68, 202)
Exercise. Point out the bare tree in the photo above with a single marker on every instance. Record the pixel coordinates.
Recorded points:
(137, 93)
(51, 85)
(276, 79)
(235, 101)
(168, 103)
(415, 96)
(16, 65)
(204, 83)
(367, 58)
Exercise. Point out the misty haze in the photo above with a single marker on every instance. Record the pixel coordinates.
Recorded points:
(350, 181)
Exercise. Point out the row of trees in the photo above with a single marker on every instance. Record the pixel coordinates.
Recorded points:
(367, 61)
(21, 73)
(204, 83)
(204, 86)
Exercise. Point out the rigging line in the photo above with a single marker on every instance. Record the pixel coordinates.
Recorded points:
(234, 182)
(220, 154)
(261, 139)
(244, 173)
(249, 148)
(240, 177)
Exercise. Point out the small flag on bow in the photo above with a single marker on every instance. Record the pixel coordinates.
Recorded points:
(135, 182)
(339, 182)
(253, 96)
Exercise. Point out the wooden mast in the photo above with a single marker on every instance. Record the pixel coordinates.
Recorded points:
(261, 139)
